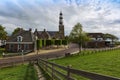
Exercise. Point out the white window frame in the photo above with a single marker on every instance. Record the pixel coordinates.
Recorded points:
(19, 38)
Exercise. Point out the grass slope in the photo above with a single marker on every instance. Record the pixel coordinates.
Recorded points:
(107, 63)
(1, 51)
(21, 72)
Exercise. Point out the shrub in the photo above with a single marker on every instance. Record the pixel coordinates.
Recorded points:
(64, 42)
(39, 44)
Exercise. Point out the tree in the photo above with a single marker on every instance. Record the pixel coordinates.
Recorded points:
(16, 30)
(3, 33)
(78, 36)
(111, 36)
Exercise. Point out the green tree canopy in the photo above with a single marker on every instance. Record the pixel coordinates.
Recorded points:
(3, 33)
(111, 36)
(78, 36)
(16, 30)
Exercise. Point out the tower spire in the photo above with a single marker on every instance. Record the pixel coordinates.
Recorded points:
(61, 18)
(61, 25)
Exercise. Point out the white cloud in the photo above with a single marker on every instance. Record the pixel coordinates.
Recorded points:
(94, 15)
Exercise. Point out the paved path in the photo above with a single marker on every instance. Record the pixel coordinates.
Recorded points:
(31, 57)
(39, 73)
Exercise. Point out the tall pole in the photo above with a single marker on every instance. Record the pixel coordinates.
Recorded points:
(22, 56)
(36, 45)
(80, 41)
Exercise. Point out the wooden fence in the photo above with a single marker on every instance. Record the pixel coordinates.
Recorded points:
(57, 72)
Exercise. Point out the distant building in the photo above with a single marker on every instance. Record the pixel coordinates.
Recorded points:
(97, 40)
(22, 41)
(52, 34)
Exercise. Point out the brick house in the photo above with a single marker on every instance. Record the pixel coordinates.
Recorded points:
(22, 41)
(26, 40)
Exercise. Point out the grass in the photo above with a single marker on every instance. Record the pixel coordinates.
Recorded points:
(21, 72)
(1, 51)
(106, 62)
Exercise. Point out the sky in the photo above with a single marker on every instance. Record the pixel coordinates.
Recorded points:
(95, 15)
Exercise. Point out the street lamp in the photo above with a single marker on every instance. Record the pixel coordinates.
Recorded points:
(36, 48)
(22, 56)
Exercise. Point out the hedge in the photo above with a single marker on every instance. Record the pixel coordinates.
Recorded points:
(64, 42)
(39, 44)
(48, 42)
(42, 43)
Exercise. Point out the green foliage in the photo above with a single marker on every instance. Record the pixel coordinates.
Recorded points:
(111, 36)
(117, 43)
(67, 38)
(39, 44)
(31, 73)
(53, 41)
(78, 36)
(64, 42)
(3, 33)
(16, 30)
(48, 42)
(58, 42)
(20, 72)
(103, 62)
(43, 43)
(1, 51)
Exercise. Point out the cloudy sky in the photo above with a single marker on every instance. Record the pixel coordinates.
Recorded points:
(95, 15)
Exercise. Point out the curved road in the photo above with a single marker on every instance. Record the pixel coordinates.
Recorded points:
(19, 59)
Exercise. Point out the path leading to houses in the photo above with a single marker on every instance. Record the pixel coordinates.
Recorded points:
(39, 73)
(44, 51)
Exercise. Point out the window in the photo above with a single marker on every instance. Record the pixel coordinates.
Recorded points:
(11, 46)
(19, 38)
(26, 46)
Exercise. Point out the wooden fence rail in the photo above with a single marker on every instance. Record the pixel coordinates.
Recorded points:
(58, 74)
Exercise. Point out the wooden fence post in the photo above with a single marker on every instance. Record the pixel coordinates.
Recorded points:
(68, 72)
(52, 72)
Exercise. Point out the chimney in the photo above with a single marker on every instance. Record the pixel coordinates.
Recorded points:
(35, 30)
(21, 29)
(30, 29)
(44, 30)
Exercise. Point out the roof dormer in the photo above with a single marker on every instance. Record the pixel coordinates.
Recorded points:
(19, 38)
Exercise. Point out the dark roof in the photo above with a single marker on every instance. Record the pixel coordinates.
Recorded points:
(39, 32)
(28, 36)
(49, 33)
(52, 33)
(95, 35)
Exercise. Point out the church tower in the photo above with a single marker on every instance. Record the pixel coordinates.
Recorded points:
(61, 26)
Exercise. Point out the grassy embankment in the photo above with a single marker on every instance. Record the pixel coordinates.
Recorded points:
(106, 62)
(19, 72)
(1, 51)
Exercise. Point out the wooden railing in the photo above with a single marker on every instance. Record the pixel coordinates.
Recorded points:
(57, 72)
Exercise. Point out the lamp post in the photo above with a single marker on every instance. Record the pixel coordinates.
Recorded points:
(36, 44)
(22, 56)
